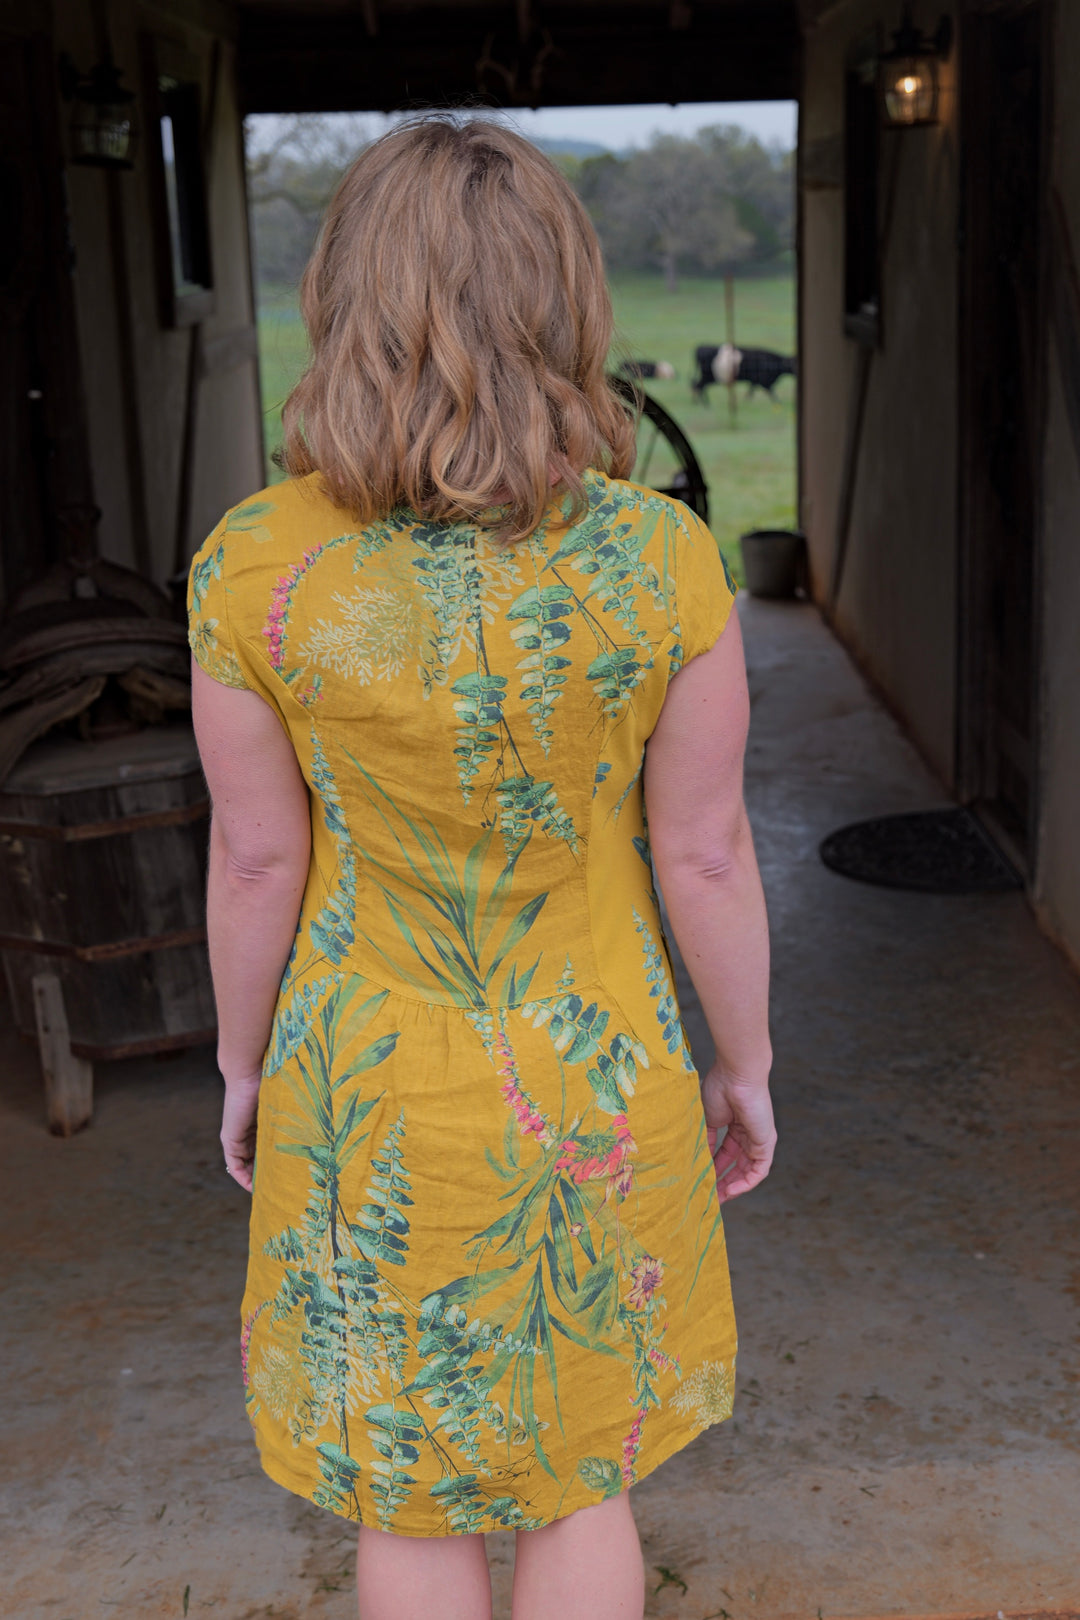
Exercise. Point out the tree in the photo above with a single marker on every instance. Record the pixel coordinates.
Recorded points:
(707, 203)
(292, 172)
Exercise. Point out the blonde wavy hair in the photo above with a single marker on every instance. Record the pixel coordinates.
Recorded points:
(459, 323)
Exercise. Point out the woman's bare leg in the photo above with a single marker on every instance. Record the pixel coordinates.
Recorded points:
(422, 1578)
(584, 1567)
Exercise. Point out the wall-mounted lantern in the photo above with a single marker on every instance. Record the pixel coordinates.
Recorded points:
(908, 73)
(102, 115)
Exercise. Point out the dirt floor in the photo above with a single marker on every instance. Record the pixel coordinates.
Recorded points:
(908, 1282)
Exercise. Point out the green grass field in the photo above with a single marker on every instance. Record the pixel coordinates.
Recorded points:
(750, 470)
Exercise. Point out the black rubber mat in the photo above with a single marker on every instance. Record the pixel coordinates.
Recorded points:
(935, 851)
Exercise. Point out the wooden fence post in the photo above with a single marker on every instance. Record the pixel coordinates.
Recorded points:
(729, 310)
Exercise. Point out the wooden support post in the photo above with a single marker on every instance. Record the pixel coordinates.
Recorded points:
(69, 1080)
(729, 311)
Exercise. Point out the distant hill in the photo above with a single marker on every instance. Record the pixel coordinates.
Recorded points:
(558, 147)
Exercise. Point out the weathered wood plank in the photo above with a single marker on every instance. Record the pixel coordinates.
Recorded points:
(69, 1080)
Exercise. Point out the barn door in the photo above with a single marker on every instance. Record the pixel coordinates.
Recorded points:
(1003, 117)
(45, 489)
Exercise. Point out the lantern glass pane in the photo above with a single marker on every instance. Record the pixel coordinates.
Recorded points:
(910, 91)
(101, 133)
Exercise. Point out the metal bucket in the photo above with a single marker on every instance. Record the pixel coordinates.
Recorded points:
(774, 561)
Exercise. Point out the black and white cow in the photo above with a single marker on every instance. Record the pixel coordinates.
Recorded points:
(723, 363)
(636, 369)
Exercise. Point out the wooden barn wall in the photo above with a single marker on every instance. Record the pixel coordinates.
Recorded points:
(138, 372)
(1057, 887)
(897, 603)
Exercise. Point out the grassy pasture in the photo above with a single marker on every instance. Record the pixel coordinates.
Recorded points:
(750, 471)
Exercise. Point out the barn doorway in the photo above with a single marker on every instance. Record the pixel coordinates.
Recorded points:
(721, 176)
(1004, 117)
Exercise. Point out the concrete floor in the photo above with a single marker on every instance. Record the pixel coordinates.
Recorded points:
(908, 1282)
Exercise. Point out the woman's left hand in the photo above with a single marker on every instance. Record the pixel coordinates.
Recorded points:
(238, 1127)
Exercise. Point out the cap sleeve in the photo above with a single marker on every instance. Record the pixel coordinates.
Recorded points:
(704, 588)
(208, 613)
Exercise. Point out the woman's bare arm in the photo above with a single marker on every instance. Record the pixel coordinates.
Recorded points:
(705, 863)
(260, 846)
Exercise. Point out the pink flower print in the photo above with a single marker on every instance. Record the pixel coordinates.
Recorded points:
(630, 1448)
(245, 1341)
(594, 1159)
(531, 1121)
(645, 1278)
(280, 602)
(310, 694)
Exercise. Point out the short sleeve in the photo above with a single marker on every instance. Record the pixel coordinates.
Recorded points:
(704, 588)
(208, 613)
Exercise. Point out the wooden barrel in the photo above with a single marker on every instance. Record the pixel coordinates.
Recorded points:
(102, 886)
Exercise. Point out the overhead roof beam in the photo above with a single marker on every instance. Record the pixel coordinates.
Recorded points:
(573, 54)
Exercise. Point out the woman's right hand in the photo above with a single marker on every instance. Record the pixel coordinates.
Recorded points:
(239, 1120)
(739, 1111)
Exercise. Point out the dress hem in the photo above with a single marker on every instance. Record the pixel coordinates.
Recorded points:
(582, 1497)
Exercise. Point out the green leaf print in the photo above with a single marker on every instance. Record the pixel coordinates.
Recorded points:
(577, 1218)
(451, 1297)
(293, 1018)
(506, 1514)
(288, 1245)
(598, 1280)
(449, 917)
(610, 552)
(332, 931)
(523, 800)
(576, 1032)
(452, 1383)
(639, 1325)
(381, 1229)
(395, 1437)
(542, 630)
(660, 988)
(381, 1330)
(380, 1334)
(615, 675)
(560, 1252)
(341, 1473)
(465, 1508)
(600, 1474)
(480, 707)
(627, 790)
(606, 1089)
(324, 1347)
(248, 519)
(206, 569)
(441, 566)
(349, 1017)
(353, 1336)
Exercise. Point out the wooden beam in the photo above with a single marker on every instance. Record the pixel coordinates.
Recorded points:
(296, 61)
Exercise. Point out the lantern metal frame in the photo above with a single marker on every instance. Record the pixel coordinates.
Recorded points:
(913, 56)
(102, 125)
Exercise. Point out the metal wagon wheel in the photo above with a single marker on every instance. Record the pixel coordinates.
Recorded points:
(665, 457)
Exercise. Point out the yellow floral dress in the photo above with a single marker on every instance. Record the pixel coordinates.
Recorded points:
(487, 1281)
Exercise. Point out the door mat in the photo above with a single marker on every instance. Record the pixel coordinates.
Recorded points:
(935, 851)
